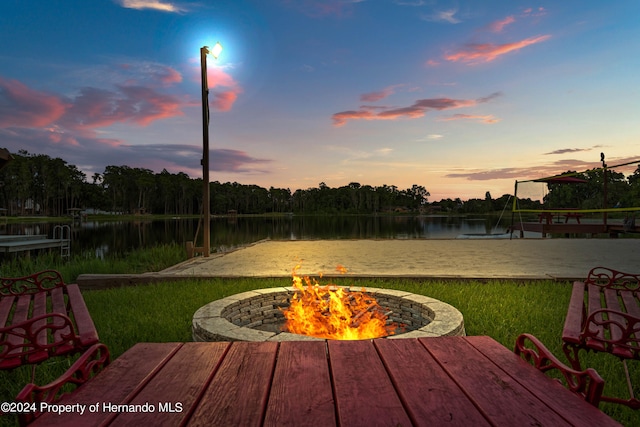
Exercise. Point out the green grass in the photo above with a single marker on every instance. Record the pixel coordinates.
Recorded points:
(132, 262)
(500, 309)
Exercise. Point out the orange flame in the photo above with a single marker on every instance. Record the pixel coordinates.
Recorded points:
(333, 312)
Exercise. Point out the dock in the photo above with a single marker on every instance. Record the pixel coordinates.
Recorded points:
(613, 229)
(25, 243)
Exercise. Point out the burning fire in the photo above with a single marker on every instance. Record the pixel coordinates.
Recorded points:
(334, 313)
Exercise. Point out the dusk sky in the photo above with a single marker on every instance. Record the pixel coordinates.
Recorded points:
(461, 97)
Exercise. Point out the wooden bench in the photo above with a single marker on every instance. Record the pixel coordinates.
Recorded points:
(42, 317)
(587, 384)
(604, 315)
(88, 365)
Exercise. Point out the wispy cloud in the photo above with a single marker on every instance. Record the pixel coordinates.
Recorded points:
(473, 53)
(94, 108)
(377, 96)
(38, 121)
(537, 171)
(417, 110)
(498, 26)
(227, 160)
(224, 89)
(534, 12)
(448, 16)
(91, 108)
(489, 119)
(159, 5)
(414, 3)
(323, 8)
(21, 106)
(569, 150)
(148, 73)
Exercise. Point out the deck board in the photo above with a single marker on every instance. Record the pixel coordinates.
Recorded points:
(238, 393)
(397, 382)
(553, 394)
(364, 393)
(290, 403)
(431, 399)
(481, 379)
(180, 383)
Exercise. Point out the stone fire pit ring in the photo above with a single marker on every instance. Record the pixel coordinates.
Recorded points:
(256, 316)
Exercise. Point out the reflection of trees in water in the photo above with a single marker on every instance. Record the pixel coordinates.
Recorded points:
(100, 238)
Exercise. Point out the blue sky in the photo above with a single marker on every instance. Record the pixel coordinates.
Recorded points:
(461, 97)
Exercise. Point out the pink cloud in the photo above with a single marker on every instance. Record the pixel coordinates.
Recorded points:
(227, 160)
(217, 76)
(95, 108)
(417, 110)
(377, 96)
(541, 11)
(21, 106)
(223, 101)
(168, 76)
(487, 52)
(498, 26)
(539, 171)
(152, 4)
(340, 119)
(149, 73)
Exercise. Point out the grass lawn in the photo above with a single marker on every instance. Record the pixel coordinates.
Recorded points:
(500, 309)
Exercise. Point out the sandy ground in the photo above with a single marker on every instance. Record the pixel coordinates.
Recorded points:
(518, 258)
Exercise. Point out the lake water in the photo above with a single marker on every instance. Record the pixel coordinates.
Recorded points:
(100, 238)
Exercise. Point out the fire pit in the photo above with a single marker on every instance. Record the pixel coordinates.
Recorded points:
(257, 316)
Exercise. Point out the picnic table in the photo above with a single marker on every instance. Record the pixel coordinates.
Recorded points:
(547, 217)
(412, 381)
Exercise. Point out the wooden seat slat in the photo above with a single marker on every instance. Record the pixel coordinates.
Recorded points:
(20, 314)
(575, 313)
(290, 403)
(83, 321)
(59, 305)
(238, 393)
(611, 298)
(39, 308)
(429, 403)
(594, 300)
(5, 309)
(363, 391)
(23, 305)
(475, 385)
(631, 302)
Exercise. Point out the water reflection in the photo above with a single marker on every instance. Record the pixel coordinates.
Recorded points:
(101, 238)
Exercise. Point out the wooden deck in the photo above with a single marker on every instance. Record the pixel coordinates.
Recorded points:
(586, 228)
(459, 381)
(23, 243)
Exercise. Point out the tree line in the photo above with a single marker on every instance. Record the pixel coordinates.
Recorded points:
(36, 184)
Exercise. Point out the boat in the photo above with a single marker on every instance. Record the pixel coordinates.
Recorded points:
(487, 236)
